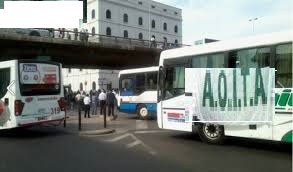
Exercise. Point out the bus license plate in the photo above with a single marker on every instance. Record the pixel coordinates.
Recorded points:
(42, 118)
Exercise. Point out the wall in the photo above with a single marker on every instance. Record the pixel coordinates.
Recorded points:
(75, 77)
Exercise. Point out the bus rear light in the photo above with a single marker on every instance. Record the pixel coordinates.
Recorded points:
(2, 107)
(18, 107)
(61, 103)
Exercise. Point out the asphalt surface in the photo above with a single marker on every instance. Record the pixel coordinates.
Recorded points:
(136, 146)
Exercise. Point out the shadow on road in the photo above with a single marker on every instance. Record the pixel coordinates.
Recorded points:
(32, 132)
(187, 136)
(259, 144)
(256, 144)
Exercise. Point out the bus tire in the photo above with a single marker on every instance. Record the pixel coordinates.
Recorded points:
(142, 112)
(211, 133)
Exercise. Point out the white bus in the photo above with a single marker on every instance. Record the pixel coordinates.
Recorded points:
(138, 91)
(201, 67)
(31, 93)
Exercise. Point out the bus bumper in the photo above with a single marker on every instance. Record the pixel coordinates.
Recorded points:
(31, 121)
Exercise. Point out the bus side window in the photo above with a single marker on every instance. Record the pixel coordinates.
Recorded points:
(152, 81)
(139, 83)
(250, 58)
(4, 81)
(284, 66)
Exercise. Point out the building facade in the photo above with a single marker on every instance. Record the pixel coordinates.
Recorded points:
(136, 19)
(84, 79)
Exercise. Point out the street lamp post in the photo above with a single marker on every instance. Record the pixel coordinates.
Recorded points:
(149, 19)
(253, 21)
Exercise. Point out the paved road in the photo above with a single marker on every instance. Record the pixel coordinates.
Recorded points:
(139, 147)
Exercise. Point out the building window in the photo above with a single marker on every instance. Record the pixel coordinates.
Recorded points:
(165, 26)
(108, 31)
(125, 34)
(176, 41)
(140, 3)
(93, 14)
(94, 85)
(176, 29)
(153, 6)
(175, 13)
(81, 86)
(108, 14)
(140, 36)
(165, 10)
(93, 30)
(153, 24)
(125, 18)
(140, 22)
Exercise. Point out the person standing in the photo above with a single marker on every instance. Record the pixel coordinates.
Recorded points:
(165, 44)
(75, 33)
(87, 106)
(102, 98)
(78, 99)
(153, 42)
(110, 103)
(94, 101)
(86, 35)
(51, 32)
(63, 33)
(81, 37)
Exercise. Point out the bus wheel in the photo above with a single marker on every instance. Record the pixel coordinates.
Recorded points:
(211, 133)
(142, 112)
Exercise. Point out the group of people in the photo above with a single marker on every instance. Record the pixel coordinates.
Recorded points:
(91, 102)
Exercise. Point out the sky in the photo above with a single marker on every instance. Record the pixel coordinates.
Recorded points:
(229, 19)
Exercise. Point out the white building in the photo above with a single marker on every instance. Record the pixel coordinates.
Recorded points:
(83, 79)
(137, 19)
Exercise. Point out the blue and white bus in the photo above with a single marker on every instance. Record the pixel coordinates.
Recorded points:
(138, 91)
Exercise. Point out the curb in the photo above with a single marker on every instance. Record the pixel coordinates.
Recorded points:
(97, 132)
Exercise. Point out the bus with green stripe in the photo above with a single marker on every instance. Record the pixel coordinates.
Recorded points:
(240, 88)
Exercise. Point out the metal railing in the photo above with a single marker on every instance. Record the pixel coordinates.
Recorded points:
(93, 38)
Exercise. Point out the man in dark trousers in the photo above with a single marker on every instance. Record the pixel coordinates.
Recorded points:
(111, 102)
(102, 99)
(87, 106)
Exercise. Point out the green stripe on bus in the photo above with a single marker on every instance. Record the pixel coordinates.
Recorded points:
(288, 137)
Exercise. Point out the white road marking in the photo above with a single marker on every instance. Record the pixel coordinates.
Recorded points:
(119, 137)
(136, 142)
(130, 145)
(141, 124)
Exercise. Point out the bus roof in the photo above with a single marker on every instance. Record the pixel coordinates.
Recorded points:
(221, 46)
(139, 70)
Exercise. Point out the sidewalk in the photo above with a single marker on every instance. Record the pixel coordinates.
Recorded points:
(95, 124)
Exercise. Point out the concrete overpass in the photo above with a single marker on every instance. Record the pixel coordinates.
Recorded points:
(100, 51)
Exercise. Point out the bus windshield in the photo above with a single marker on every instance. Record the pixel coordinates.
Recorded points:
(126, 87)
(39, 79)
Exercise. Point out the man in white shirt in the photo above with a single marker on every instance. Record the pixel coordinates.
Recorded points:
(87, 106)
(102, 99)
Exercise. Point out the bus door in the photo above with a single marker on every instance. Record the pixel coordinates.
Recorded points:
(172, 106)
(126, 92)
